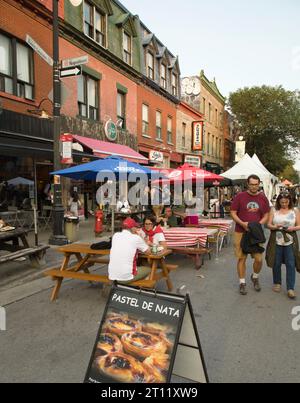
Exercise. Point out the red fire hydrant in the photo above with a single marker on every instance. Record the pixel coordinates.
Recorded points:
(98, 222)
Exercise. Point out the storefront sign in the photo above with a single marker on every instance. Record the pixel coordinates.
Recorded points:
(146, 337)
(193, 160)
(110, 130)
(156, 156)
(198, 136)
(66, 141)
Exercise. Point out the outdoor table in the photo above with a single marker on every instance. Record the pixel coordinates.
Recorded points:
(190, 241)
(15, 242)
(87, 257)
(223, 224)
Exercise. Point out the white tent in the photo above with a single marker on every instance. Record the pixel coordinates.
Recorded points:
(273, 178)
(246, 167)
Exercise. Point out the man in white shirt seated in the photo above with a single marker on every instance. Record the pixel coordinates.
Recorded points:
(124, 252)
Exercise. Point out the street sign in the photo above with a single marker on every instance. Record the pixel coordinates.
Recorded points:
(36, 47)
(76, 61)
(70, 71)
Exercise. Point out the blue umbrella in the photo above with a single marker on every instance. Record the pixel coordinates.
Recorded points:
(108, 165)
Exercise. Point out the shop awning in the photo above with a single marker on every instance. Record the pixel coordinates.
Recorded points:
(105, 149)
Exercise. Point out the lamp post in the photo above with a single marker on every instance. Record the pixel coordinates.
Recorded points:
(58, 237)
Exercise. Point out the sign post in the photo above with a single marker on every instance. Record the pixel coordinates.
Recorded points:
(146, 337)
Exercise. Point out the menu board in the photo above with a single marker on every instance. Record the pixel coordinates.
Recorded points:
(138, 337)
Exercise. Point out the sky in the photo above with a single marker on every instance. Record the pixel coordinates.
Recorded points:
(239, 43)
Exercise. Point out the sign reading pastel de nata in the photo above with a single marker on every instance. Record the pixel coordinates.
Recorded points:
(143, 337)
(197, 130)
(156, 156)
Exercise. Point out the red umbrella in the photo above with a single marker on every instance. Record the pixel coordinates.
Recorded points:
(188, 172)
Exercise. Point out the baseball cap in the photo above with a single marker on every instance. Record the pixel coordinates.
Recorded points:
(130, 223)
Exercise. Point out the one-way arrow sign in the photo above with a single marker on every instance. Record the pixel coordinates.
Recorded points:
(70, 71)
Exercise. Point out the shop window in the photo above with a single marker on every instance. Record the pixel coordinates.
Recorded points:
(88, 97)
(16, 68)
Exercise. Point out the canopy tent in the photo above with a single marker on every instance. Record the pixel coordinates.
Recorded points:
(273, 178)
(187, 172)
(246, 167)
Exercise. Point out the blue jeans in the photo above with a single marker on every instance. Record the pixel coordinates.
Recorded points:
(285, 255)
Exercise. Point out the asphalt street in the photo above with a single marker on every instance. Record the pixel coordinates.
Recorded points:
(244, 338)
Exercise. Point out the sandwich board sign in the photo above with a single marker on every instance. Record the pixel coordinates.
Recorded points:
(146, 337)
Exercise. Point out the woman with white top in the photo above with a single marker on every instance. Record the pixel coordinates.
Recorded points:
(284, 222)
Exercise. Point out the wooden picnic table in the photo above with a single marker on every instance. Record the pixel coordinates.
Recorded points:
(16, 243)
(87, 257)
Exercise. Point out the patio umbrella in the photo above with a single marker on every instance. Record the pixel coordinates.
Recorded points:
(112, 164)
(20, 181)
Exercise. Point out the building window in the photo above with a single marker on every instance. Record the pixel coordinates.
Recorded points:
(88, 98)
(220, 149)
(121, 108)
(94, 24)
(127, 48)
(208, 144)
(213, 146)
(203, 105)
(158, 126)
(150, 66)
(163, 76)
(145, 120)
(169, 130)
(183, 143)
(209, 112)
(174, 85)
(216, 117)
(16, 68)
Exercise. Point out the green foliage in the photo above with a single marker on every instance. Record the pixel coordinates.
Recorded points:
(269, 119)
(290, 173)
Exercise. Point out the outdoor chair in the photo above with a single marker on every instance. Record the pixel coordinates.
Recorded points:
(45, 218)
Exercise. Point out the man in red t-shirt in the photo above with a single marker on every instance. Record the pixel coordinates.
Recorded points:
(248, 207)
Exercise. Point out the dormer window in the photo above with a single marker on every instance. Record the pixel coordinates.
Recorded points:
(95, 24)
(174, 85)
(163, 76)
(127, 48)
(150, 66)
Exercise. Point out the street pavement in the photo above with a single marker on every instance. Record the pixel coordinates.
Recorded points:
(244, 338)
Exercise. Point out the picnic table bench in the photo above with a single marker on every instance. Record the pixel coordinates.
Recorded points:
(87, 257)
(10, 241)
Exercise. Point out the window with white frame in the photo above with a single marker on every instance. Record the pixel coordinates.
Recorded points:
(150, 66)
(127, 48)
(16, 68)
(158, 125)
(169, 130)
(174, 85)
(88, 97)
(95, 23)
(121, 108)
(163, 76)
(145, 120)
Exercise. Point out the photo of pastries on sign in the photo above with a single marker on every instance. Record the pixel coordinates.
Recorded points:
(132, 350)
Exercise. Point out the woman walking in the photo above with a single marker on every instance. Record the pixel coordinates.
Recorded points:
(283, 247)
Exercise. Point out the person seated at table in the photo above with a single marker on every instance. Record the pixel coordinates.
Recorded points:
(153, 234)
(124, 252)
(169, 219)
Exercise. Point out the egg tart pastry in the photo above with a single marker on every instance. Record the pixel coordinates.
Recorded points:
(123, 368)
(120, 325)
(108, 343)
(155, 328)
(141, 344)
(160, 361)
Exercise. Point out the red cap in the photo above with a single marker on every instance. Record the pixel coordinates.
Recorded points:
(129, 223)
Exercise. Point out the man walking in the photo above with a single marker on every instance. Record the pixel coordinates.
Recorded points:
(249, 207)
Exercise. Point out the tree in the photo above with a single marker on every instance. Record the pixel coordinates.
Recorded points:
(269, 120)
(290, 173)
